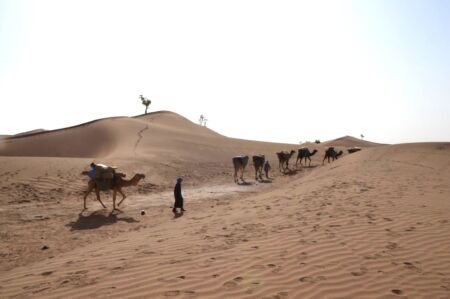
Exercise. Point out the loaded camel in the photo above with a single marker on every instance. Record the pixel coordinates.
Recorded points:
(118, 183)
(258, 162)
(331, 153)
(283, 158)
(304, 153)
(239, 163)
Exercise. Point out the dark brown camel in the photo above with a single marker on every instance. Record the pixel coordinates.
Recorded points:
(304, 153)
(331, 153)
(117, 185)
(258, 162)
(283, 159)
(239, 163)
(353, 150)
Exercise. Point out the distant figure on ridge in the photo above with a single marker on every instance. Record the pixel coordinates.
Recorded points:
(178, 196)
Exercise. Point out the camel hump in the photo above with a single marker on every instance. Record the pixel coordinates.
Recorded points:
(104, 172)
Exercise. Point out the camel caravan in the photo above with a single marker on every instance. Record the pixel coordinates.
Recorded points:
(260, 163)
(104, 178)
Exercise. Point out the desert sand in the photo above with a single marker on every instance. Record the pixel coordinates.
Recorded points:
(372, 224)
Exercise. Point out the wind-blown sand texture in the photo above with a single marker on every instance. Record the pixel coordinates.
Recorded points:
(373, 224)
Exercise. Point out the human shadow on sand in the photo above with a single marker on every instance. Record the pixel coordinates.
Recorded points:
(98, 219)
(177, 214)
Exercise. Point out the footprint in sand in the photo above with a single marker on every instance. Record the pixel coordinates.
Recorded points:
(361, 272)
(171, 293)
(312, 279)
(233, 283)
(397, 291)
(411, 266)
(280, 295)
(391, 245)
(230, 284)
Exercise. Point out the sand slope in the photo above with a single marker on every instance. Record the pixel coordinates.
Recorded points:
(349, 141)
(373, 224)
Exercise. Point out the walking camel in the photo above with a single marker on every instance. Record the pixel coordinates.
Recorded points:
(118, 183)
(239, 163)
(283, 158)
(258, 162)
(304, 153)
(331, 153)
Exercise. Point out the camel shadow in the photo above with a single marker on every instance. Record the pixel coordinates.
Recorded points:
(267, 181)
(98, 219)
(244, 183)
(290, 172)
(309, 166)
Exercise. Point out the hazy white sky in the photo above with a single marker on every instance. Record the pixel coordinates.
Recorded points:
(281, 71)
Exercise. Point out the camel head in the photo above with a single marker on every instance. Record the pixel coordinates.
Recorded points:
(314, 152)
(137, 177)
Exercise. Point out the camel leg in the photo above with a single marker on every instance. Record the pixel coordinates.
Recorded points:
(236, 169)
(89, 190)
(98, 197)
(309, 161)
(123, 196)
(114, 199)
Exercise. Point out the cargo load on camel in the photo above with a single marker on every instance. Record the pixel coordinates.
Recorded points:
(104, 176)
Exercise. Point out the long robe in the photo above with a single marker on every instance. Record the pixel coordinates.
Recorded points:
(178, 196)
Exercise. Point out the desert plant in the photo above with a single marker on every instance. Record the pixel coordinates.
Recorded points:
(146, 102)
(202, 120)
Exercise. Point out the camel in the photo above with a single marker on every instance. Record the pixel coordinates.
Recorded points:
(118, 183)
(331, 153)
(283, 158)
(239, 163)
(353, 150)
(258, 162)
(306, 154)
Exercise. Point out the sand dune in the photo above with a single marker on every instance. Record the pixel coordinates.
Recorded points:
(373, 224)
(349, 141)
